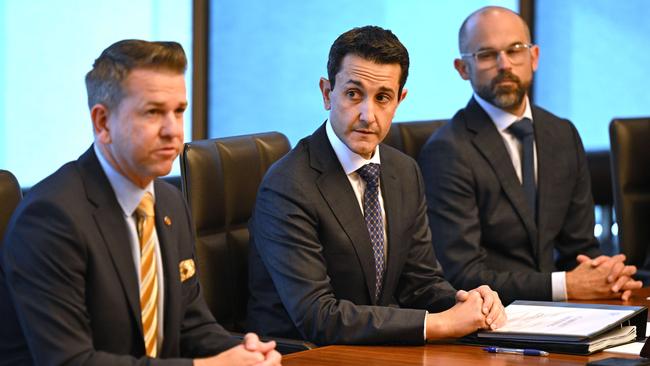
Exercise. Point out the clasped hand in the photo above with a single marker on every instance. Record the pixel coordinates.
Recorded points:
(480, 308)
(252, 352)
(601, 277)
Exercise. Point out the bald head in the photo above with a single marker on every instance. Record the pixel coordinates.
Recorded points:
(478, 20)
(504, 71)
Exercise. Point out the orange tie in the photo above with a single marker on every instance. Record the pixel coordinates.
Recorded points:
(148, 275)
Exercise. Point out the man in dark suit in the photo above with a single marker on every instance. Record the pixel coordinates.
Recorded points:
(340, 246)
(98, 260)
(509, 202)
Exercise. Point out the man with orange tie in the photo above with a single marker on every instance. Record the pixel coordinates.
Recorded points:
(98, 264)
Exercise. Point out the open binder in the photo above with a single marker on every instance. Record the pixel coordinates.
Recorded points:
(565, 327)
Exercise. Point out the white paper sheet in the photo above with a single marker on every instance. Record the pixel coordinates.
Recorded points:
(633, 348)
(563, 320)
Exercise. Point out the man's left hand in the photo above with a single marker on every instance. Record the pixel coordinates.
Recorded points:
(495, 314)
(253, 343)
(620, 275)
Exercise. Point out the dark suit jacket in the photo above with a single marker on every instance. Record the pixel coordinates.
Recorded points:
(311, 264)
(483, 230)
(68, 277)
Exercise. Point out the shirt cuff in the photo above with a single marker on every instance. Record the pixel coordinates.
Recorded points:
(558, 286)
(426, 315)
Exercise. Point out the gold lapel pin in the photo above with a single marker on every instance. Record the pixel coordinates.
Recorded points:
(168, 221)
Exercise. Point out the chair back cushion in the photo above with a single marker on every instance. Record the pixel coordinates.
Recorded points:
(630, 139)
(220, 179)
(601, 177)
(409, 137)
(10, 196)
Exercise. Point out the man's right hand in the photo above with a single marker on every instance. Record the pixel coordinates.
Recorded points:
(601, 278)
(463, 318)
(252, 352)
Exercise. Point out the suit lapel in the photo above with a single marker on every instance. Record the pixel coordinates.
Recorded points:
(548, 158)
(490, 143)
(108, 216)
(170, 260)
(335, 189)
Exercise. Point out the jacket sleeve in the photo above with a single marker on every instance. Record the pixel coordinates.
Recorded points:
(422, 284)
(577, 233)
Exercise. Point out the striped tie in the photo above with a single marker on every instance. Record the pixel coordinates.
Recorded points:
(148, 275)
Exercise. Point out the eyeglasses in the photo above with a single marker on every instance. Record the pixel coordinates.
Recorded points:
(516, 54)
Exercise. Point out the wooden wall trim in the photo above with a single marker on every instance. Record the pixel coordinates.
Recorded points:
(200, 51)
(527, 12)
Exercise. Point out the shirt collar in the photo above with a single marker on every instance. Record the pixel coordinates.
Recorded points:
(350, 161)
(501, 118)
(128, 194)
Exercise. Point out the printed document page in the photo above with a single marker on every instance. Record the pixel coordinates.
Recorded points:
(631, 348)
(568, 321)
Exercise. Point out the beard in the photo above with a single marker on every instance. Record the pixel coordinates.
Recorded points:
(504, 96)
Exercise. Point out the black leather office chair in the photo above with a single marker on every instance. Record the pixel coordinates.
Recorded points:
(600, 171)
(174, 180)
(630, 139)
(409, 137)
(220, 179)
(10, 196)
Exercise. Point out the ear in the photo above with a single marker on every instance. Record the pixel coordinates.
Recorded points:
(99, 114)
(534, 57)
(402, 96)
(463, 69)
(325, 90)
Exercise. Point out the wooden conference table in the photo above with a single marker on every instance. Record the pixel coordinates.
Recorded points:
(445, 353)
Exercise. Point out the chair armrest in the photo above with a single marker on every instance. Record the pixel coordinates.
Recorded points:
(643, 275)
(284, 345)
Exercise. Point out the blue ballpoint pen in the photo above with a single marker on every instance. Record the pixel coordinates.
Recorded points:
(517, 351)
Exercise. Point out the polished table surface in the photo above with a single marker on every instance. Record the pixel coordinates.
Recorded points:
(445, 353)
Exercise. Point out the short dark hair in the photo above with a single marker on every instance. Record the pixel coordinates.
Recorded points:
(112, 67)
(371, 43)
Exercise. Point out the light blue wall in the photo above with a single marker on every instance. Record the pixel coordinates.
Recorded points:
(3, 81)
(266, 59)
(47, 48)
(594, 62)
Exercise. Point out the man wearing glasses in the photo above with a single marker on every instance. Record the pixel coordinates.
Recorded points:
(507, 184)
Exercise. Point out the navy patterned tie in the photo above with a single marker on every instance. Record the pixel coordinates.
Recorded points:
(374, 222)
(523, 130)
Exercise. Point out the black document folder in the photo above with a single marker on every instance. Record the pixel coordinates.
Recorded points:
(555, 332)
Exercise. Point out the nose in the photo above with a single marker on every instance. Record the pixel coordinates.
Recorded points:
(172, 125)
(367, 110)
(503, 62)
